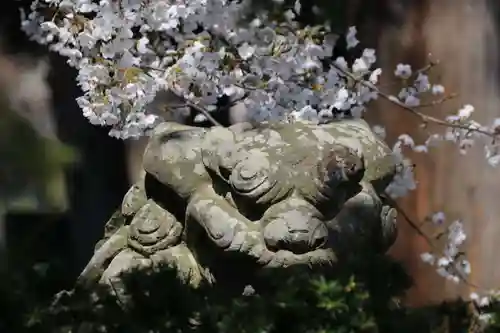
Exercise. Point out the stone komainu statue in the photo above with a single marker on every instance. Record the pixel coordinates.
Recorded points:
(223, 204)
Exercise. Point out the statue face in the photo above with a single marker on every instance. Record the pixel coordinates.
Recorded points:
(294, 225)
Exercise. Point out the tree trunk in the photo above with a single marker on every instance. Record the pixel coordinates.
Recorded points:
(463, 36)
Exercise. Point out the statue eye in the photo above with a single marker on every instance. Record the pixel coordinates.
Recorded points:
(339, 175)
(253, 186)
(353, 168)
(342, 166)
(248, 176)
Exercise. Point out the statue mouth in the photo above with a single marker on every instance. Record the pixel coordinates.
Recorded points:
(296, 239)
(299, 241)
(286, 258)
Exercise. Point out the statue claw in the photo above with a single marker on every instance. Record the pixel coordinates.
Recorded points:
(105, 253)
(125, 262)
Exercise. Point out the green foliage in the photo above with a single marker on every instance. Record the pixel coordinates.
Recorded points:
(362, 299)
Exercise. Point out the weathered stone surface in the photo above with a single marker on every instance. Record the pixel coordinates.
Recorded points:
(272, 196)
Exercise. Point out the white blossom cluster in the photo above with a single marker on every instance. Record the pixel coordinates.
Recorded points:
(128, 50)
(410, 95)
(451, 264)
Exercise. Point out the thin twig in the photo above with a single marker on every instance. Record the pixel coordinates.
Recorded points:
(423, 117)
(203, 111)
(412, 223)
(427, 68)
(197, 108)
(428, 240)
(190, 104)
(437, 102)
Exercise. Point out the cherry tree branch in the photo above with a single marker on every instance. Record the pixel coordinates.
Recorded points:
(423, 117)
(414, 225)
(437, 102)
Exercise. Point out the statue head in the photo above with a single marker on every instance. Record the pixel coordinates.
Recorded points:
(281, 177)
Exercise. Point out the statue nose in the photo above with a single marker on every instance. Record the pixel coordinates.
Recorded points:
(281, 237)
